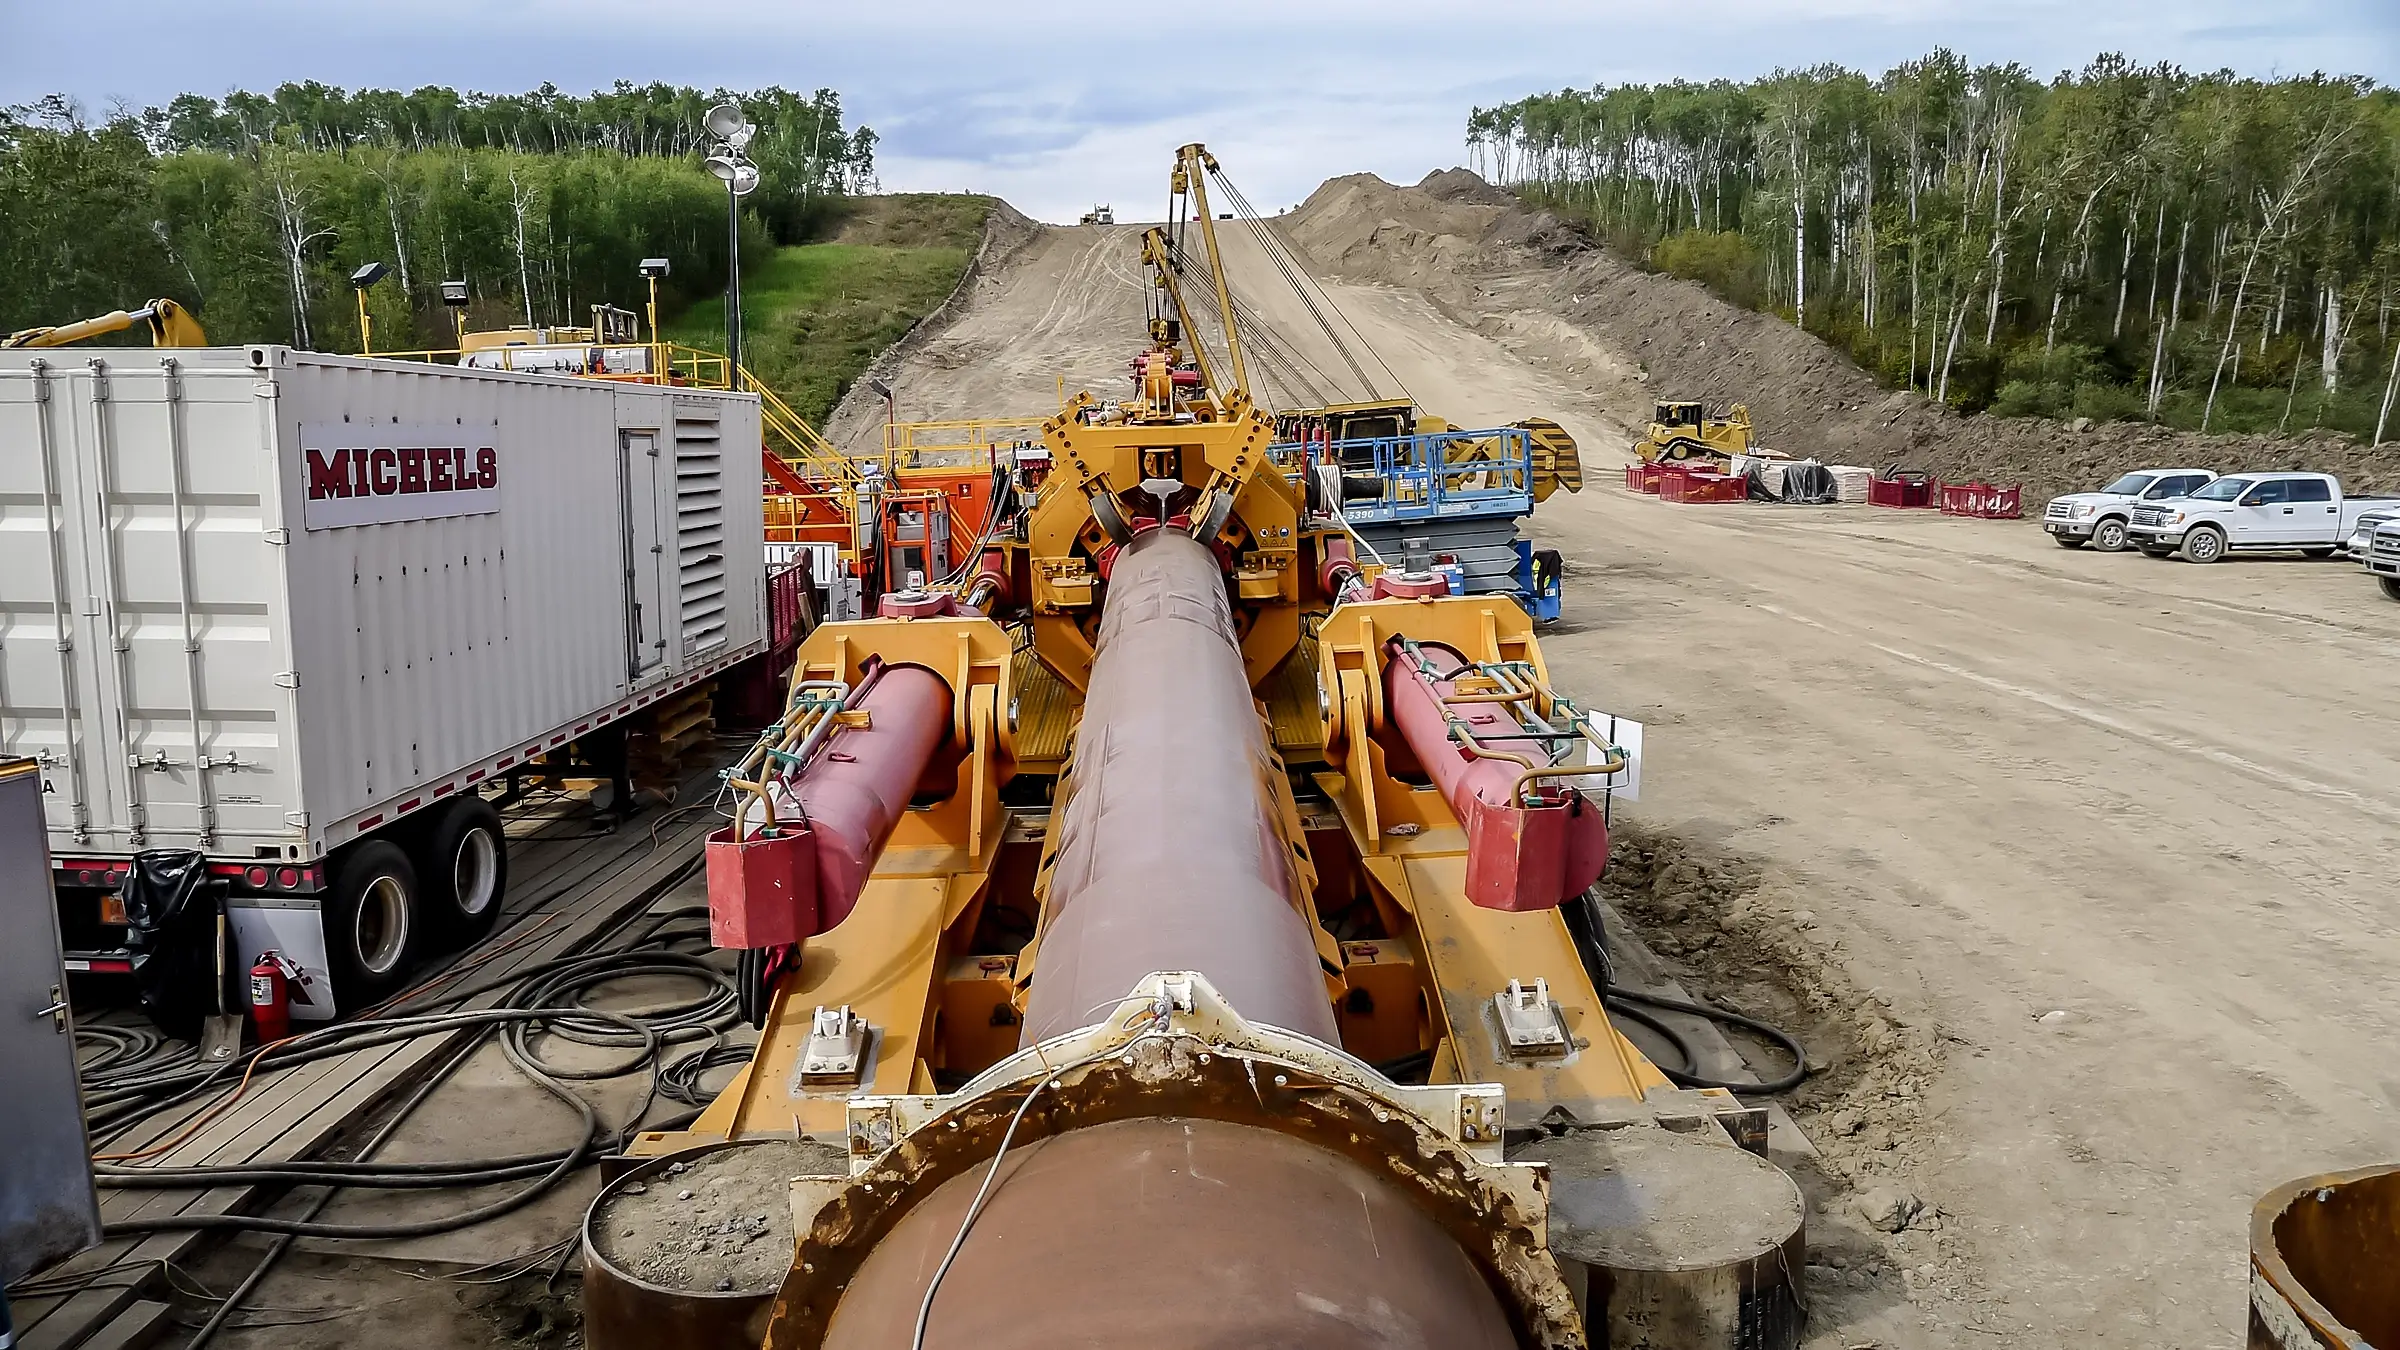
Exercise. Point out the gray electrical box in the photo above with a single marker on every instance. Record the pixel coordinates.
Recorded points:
(48, 1210)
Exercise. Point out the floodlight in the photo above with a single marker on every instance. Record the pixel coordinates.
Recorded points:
(723, 166)
(656, 268)
(745, 178)
(726, 119)
(370, 274)
(454, 293)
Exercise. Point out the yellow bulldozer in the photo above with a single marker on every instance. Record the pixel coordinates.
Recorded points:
(1681, 432)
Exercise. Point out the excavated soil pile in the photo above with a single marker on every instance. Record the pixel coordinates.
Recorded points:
(1483, 255)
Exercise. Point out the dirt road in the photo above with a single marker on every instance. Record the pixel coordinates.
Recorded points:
(2108, 848)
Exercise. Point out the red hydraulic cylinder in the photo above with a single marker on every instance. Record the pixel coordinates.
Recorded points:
(802, 876)
(1526, 849)
(1168, 857)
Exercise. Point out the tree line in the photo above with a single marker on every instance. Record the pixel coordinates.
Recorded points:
(2122, 241)
(254, 210)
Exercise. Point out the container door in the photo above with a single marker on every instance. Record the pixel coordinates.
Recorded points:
(44, 667)
(47, 1207)
(647, 616)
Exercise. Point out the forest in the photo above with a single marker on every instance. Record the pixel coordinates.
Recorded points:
(254, 209)
(2122, 242)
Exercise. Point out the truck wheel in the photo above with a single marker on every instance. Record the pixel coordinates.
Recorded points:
(465, 866)
(371, 924)
(2109, 535)
(2067, 541)
(2204, 545)
(2391, 587)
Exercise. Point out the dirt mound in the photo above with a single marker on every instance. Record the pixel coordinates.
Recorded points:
(1463, 185)
(1485, 257)
(1739, 929)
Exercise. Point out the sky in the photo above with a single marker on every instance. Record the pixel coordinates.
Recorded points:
(1058, 105)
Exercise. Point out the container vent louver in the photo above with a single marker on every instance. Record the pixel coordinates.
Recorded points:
(700, 532)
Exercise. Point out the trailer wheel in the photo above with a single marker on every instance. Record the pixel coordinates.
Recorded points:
(371, 923)
(465, 864)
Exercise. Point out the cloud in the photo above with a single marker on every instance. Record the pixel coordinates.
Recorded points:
(1057, 104)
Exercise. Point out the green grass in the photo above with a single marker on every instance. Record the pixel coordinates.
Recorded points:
(814, 315)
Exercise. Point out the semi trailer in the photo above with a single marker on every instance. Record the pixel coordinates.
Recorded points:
(274, 624)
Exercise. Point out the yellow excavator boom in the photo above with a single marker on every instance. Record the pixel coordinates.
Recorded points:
(171, 325)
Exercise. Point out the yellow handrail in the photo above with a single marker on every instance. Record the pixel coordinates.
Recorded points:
(807, 449)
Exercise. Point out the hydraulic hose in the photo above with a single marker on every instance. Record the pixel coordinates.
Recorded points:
(1585, 925)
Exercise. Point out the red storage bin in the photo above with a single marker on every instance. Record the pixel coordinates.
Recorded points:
(1642, 477)
(1691, 486)
(1983, 501)
(1907, 492)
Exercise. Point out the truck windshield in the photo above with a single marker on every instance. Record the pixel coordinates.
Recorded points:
(2223, 490)
(2131, 485)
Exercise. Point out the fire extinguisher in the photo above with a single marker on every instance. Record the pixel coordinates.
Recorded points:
(270, 999)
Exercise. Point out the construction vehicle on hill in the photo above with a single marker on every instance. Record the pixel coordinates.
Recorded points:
(1413, 486)
(1682, 432)
(1099, 215)
(1169, 867)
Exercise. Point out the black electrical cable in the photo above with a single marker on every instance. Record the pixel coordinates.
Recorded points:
(1585, 925)
(546, 999)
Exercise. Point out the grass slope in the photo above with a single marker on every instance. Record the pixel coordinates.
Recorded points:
(814, 315)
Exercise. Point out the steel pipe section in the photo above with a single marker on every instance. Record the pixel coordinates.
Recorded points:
(1525, 851)
(1168, 856)
(1183, 1233)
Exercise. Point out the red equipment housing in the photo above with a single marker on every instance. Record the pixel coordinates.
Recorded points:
(799, 874)
(1528, 848)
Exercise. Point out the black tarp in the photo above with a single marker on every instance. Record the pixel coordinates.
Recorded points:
(171, 930)
(1805, 483)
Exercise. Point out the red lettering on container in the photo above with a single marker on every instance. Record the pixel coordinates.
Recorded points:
(384, 472)
(487, 467)
(412, 469)
(328, 478)
(437, 470)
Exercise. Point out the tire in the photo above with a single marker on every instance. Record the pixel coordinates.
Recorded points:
(2154, 551)
(2204, 545)
(2067, 541)
(2108, 535)
(464, 864)
(373, 923)
(2391, 587)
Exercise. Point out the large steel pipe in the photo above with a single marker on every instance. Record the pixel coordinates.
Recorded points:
(1168, 856)
(1173, 1233)
(1531, 843)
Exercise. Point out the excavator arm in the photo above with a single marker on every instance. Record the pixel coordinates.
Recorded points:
(171, 325)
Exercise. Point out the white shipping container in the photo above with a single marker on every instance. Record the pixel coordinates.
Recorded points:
(259, 602)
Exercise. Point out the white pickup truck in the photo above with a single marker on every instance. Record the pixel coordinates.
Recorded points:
(2381, 555)
(2251, 513)
(2099, 518)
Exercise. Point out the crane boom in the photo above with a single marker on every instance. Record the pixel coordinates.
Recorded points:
(171, 325)
(1192, 166)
